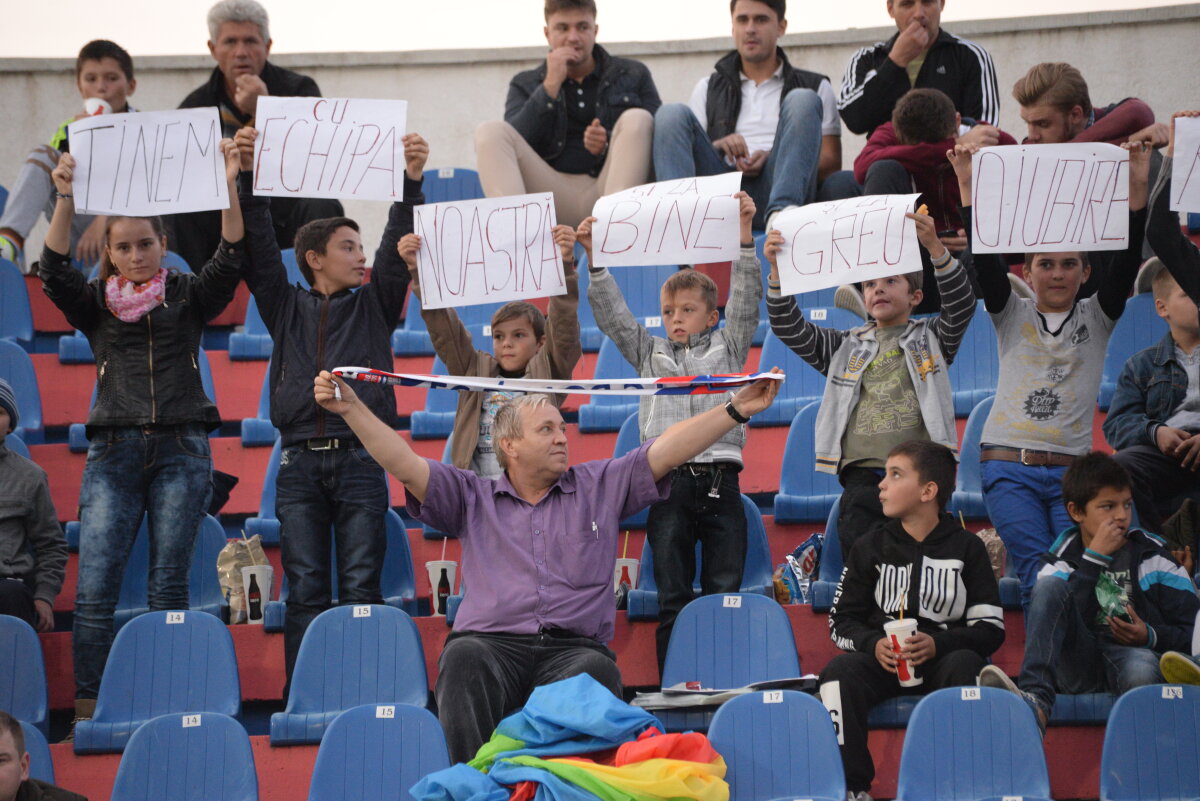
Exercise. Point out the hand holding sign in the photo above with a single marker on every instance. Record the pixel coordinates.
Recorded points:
(1185, 169)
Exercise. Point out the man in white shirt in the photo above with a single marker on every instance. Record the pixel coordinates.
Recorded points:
(776, 124)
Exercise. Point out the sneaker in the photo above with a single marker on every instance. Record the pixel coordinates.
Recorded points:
(992, 676)
(1022, 289)
(9, 250)
(861, 795)
(848, 297)
(1179, 668)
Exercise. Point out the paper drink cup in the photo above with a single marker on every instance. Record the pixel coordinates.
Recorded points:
(263, 576)
(897, 631)
(631, 565)
(97, 105)
(435, 568)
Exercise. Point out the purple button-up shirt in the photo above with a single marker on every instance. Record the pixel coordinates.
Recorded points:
(545, 565)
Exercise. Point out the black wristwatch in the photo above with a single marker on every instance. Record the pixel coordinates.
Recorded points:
(737, 416)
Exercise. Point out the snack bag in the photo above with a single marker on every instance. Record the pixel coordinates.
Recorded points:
(803, 563)
(233, 557)
(1112, 599)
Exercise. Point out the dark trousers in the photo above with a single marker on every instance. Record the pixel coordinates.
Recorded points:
(860, 510)
(852, 683)
(482, 678)
(674, 526)
(344, 490)
(1158, 481)
(16, 600)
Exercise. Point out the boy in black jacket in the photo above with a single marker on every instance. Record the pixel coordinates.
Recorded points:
(920, 564)
(326, 477)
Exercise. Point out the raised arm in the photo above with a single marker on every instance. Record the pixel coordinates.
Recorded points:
(1163, 230)
(563, 347)
(390, 275)
(452, 341)
(1113, 292)
(812, 343)
(265, 274)
(954, 287)
(990, 269)
(216, 282)
(687, 439)
(611, 311)
(64, 285)
(385, 446)
(746, 290)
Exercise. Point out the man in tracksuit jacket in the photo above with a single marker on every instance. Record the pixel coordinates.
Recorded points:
(326, 478)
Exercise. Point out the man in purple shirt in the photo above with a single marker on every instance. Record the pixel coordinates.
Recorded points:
(539, 544)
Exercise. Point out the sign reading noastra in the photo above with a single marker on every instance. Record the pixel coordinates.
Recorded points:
(1050, 198)
(488, 251)
(330, 147)
(846, 241)
(148, 163)
(1185, 169)
(685, 221)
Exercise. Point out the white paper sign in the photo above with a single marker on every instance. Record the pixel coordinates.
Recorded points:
(685, 221)
(149, 162)
(489, 250)
(330, 147)
(1028, 198)
(1185, 169)
(845, 241)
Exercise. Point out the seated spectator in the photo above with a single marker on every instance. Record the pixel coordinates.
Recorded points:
(539, 544)
(580, 125)
(525, 344)
(1109, 599)
(33, 550)
(921, 564)
(775, 123)
(1154, 418)
(239, 40)
(1057, 107)
(15, 784)
(104, 71)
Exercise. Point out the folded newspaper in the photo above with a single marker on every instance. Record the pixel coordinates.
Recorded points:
(690, 694)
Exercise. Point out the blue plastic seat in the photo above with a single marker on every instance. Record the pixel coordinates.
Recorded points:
(1152, 745)
(266, 524)
(16, 315)
(253, 342)
(640, 287)
(351, 655)
(17, 445)
(41, 764)
(629, 438)
(161, 663)
(829, 569)
(804, 384)
(805, 496)
(3, 197)
(778, 745)
(411, 338)
(756, 573)
(976, 367)
(727, 641)
(77, 441)
(197, 757)
(258, 431)
(17, 369)
(1137, 329)
(23, 673)
(377, 752)
(436, 420)
(972, 742)
(968, 490)
(609, 412)
(288, 257)
(448, 184)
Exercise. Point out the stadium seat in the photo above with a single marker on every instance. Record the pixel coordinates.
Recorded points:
(608, 412)
(23, 692)
(195, 757)
(805, 496)
(3, 197)
(804, 384)
(161, 663)
(266, 524)
(724, 642)
(640, 287)
(258, 431)
(1139, 328)
(77, 440)
(829, 569)
(968, 490)
(628, 438)
(972, 742)
(351, 655)
(377, 752)
(16, 445)
(398, 581)
(253, 342)
(756, 573)
(17, 369)
(448, 184)
(16, 315)
(436, 420)
(74, 348)
(412, 338)
(288, 256)
(1152, 745)
(778, 745)
(976, 367)
(41, 764)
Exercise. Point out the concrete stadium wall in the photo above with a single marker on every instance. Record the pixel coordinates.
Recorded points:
(1152, 53)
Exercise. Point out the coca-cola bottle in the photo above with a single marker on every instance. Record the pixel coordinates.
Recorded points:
(624, 585)
(443, 591)
(254, 599)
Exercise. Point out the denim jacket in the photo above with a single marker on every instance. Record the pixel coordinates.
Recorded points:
(1152, 385)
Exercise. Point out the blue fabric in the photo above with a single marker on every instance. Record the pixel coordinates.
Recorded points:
(458, 783)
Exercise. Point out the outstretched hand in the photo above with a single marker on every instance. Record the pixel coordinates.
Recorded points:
(564, 237)
(960, 157)
(752, 399)
(407, 247)
(64, 174)
(233, 160)
(583, 235)
(771, 248)
(416, 153)
(746, 209)
(333, 394)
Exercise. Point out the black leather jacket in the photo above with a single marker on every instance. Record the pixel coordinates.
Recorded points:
(147, 371)
(542, 120)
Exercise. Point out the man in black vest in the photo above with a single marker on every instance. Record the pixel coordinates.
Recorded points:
(775, 123)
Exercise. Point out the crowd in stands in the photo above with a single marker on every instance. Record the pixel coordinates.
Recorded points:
(1109, 600)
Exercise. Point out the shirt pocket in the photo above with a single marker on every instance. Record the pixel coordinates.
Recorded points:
(13, 508)
(619, 99)
(583, 558)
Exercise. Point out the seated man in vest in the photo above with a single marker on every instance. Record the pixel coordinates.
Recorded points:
(775, 123)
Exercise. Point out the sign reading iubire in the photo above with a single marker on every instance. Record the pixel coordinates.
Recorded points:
(1050, 198)
(149, 163)
(330, 147)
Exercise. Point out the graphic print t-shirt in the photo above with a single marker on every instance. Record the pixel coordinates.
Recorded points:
(484, 463)
(887, 412)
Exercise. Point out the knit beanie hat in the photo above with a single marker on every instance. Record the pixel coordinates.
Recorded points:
(8, 402)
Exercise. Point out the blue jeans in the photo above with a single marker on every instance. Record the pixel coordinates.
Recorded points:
(682, 149)
(345, 490)
(1064, 654)
(163, 472)
(1025, 505)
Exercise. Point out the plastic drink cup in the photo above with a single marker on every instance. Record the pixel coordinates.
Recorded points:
(442, 573)
(627, 569)
(897, 631)
(97, 105)
(256, 582)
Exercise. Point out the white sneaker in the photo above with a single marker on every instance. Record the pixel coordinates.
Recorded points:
(861, 795)
(849, 298)
(992, 676)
